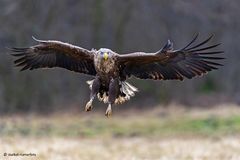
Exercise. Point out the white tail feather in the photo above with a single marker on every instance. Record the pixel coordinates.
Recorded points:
(126, 88)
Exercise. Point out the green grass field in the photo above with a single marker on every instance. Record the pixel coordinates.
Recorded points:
(170, 133)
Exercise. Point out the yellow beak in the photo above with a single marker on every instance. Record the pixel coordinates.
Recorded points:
(105, 56)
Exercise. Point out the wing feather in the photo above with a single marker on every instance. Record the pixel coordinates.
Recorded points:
(166, 64)
(48, 54)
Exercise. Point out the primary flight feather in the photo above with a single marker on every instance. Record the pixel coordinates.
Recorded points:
(111, 70)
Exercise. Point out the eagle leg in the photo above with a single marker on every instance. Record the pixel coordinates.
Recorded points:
(89, 105)
(112, 95)
(94, 91)
(109, 110)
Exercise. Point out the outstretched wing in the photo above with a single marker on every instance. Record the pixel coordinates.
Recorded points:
(166, 64)
(48, 54)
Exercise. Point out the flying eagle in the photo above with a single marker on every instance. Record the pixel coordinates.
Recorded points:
(111, 70)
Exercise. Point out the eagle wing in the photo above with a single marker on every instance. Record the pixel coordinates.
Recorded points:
(169, 64)
(48, 54)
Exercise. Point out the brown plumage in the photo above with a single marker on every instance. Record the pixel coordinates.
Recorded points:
(112, 69)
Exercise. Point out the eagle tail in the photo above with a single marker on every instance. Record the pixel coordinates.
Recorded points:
(126, 92)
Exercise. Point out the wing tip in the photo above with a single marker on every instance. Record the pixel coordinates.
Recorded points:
(199, 44)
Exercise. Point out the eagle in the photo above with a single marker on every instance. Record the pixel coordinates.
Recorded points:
(111, 70)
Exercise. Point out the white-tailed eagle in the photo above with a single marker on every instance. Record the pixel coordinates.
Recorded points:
(111, 70)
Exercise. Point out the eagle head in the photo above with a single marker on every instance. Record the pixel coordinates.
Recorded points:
(104, 53)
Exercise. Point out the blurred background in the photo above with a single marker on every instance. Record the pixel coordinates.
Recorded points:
(124, 26)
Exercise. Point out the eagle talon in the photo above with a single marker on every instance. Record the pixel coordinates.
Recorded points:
(108, 111)
(89, 106)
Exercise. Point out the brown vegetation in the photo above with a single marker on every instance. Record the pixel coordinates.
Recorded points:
(160, 134)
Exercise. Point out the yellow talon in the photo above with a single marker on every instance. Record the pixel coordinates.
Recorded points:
(89, 106)
(108, 111)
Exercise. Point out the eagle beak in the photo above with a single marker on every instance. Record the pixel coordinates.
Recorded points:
(105, 56)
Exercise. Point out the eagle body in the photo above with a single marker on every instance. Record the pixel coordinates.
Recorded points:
(109, 79)
(111, 70)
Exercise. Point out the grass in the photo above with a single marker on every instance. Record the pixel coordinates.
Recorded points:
(124, 148)
(154, 124)
(160, 134)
